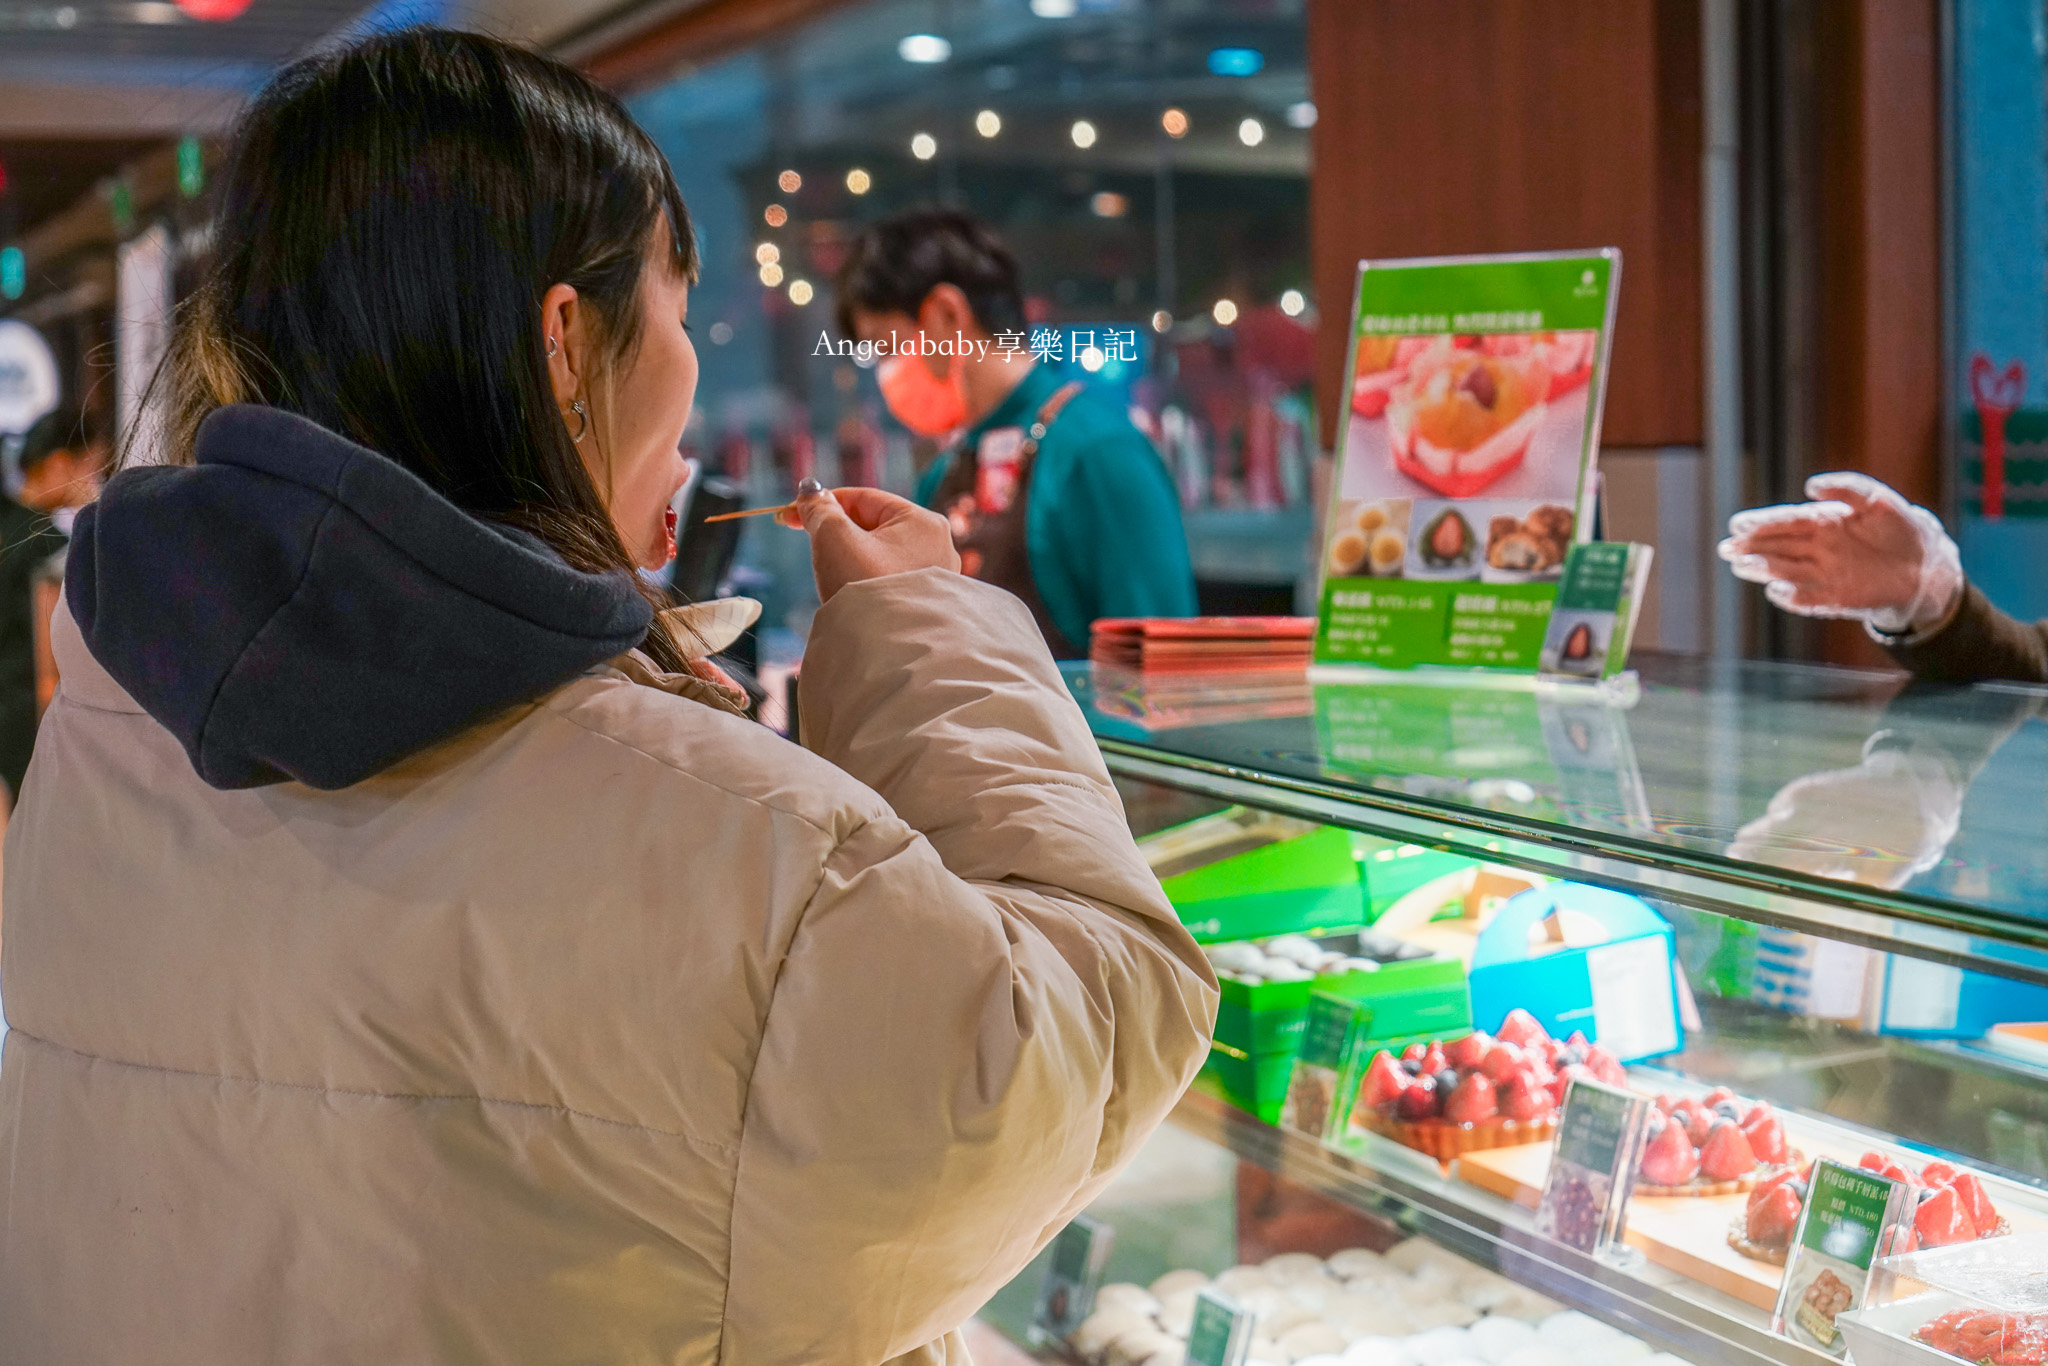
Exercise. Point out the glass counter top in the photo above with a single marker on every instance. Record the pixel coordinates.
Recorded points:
(1843, 802)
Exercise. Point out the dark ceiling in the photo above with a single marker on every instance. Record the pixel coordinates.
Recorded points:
(46, 176)
(76, 33)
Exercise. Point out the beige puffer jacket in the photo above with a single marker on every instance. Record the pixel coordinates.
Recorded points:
(613, 1030)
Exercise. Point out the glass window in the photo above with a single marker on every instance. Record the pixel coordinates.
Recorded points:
(1147, 163)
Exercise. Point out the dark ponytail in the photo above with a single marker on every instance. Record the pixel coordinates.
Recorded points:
(389, 219)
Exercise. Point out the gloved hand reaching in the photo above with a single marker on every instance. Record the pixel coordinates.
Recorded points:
(1859, 551)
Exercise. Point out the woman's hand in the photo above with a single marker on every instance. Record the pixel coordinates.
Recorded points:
(865, 533)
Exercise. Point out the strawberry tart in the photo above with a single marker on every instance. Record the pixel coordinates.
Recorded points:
(1717, 1145)
(1952, 1208)
(1480, 1091)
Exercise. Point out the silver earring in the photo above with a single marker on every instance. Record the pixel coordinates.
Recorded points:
(584, 430)
(551, 348)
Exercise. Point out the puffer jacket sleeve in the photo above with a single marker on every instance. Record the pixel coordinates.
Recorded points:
(987, 1006)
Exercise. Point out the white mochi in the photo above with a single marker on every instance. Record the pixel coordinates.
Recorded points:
(1435, 1346)
(1122, 1294)
(1378, 1351)
(1496, 1337)
(1102, 1327)
(1175, 1281)
(1312, 1340)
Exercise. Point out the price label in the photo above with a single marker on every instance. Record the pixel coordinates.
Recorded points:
(1599, 1142)
(1221, 1333)
(1852, 1216)
(1079, 1254)
(1317, 1093)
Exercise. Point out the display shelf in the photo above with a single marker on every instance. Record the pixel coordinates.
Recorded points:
(1920, 836)
(1830, 803)
(1692, 1320)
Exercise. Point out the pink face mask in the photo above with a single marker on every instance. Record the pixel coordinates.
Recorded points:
(920, 400)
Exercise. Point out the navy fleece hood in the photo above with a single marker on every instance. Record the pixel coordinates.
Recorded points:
(293, 606)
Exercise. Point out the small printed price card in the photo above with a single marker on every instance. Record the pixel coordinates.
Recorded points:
(1221, 1333)
(1852, 1218)
(1598, 601)
(1079, 1254)
(1599, 1142)
(1317, 1094)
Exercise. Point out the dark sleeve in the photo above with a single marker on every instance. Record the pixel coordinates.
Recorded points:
(1980, 643)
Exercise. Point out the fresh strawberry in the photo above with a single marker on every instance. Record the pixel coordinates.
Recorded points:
(1697, 1119)
(1468, 1052)
(1873, 1161)
(1939, 1174)
(1418, 1099)
(1976, 1203)
(1942, 1220)
(1384, 1082)
(1670, 1159)
(1556, 1087)
(1526, 1100)
(1770, 1221)
(1520, 1027)
(1667, 1102)
(1784, 1176)
(1897, 1173)
(1501, 1062)
(1716, 1096)
(1473, 1100)
(1726, 1154)
(1414, 1052)
(1578, 1040)
(1606, 1066)
(1766, 1136)
(1433, 1059)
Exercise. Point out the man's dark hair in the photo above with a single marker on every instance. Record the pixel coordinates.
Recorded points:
(896, 262)
(67, 427)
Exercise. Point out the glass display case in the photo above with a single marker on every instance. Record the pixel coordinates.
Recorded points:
(1845, 962)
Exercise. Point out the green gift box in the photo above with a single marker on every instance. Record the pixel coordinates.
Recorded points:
(1243, 874)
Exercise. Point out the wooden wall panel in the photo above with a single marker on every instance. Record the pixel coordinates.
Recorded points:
(1880, 365)
(1519, 125)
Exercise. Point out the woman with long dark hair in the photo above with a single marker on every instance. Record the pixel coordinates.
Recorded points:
(410, 953)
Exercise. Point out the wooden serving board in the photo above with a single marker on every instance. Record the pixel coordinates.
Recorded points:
(1515, 1173)
(1687, 1234)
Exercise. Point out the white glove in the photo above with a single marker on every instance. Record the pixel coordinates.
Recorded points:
(1880, 823)
(1860, 551)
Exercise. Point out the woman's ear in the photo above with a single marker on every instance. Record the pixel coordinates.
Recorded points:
(566, 340)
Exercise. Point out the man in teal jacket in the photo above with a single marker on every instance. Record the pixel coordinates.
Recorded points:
(1052, 492)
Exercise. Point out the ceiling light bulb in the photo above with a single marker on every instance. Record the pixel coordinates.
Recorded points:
(767, 254)
(799, 292)
(1301, 114)
(1175, 122)
(1292, 303)
(790, 182)
(988, 123)
(771, 275)
(775, 215)
(859, 181)
(1054, 9)
(1225, 312)
(1083, 133)
(1251, 132)
(924, 48)
(924, 146)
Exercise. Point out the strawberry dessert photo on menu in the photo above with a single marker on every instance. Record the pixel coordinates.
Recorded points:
(1463, 456)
